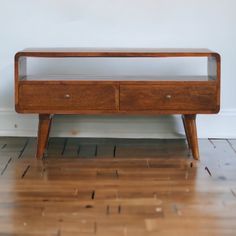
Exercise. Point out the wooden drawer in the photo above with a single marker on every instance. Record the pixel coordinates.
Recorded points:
(168, 97)
(67, 97)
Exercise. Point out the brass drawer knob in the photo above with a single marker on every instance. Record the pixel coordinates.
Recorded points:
(67, 96)
(168, 96)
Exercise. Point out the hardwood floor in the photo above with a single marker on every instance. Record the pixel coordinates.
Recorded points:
(117, 187)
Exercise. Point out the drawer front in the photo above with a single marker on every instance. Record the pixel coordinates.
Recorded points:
(167, 97)
(67, 97)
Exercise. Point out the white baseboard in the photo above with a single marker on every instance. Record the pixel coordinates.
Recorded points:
(209, 126)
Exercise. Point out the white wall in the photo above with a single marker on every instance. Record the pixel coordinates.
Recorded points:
(118, 23)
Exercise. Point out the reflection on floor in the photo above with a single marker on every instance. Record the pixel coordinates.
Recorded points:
(117, 187)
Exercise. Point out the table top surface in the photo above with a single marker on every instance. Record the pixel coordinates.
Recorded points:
(70, 49)
(116, 52)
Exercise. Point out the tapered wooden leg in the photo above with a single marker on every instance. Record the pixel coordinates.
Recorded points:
(45, 121)
(190, 124)
(186, 132)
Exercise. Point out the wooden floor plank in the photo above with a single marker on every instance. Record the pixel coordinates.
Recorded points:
(152, 148)
(87, 151)
(106, 151)
(117, 187)
(55, 147)
(12, 144)
(29, 149)
(89, 147)
(71, 148)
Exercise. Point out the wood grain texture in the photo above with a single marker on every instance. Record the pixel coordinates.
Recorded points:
(149, 192)
(85, 97)
(68, 97)
(188, 96)
(186, 131)
(26, 88)
(115, 52)
(168, 97)
(45, 121)
(190, 122)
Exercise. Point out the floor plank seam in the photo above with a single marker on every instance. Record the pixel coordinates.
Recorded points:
(117, 174)
(23, 149)
(6, 166)
(95, 227)
(93, 195)
(96, 151)
(208, 171)
(114, 151)
(231, 145)
(119, 209)
(234, 194)
(108, 210)
(25, 172)
(210, 140)
(4, 146)
(78, 150)
(147, 163)
(64, 146)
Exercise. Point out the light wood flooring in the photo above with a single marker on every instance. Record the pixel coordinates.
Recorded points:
(117, 187)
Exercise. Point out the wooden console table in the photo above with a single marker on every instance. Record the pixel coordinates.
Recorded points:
(185, 95)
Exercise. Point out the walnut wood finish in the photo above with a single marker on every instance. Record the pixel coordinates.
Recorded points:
(188, 95)
(116, 52)
(191, 132)
(45, 121)
(51, 98)
(186, 132)
(177, 96)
